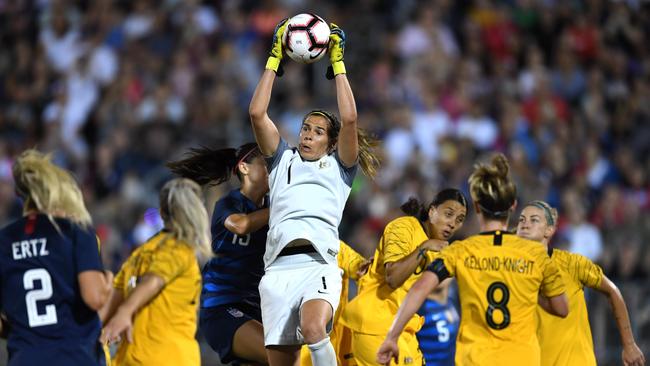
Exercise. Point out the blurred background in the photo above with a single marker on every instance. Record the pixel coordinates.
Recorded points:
(114, 89)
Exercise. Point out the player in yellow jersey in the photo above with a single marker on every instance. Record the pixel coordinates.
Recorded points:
(405, 249)
(500, 277)
(354, 266)
(568, 341)
(154, 306)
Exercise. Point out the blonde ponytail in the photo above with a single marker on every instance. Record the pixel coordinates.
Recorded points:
(182, 209)
(49, 189)
(368, 160)
(492, 188)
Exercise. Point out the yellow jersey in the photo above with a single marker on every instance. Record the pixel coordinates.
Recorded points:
(350, 262)
(164, 329)
(568, 341)
(500, 276)
(373, 309)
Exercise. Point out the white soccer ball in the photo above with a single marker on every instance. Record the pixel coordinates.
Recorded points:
(306, 38)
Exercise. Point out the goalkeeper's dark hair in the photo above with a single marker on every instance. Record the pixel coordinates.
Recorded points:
(368, 159)
(413, 207)
(208, 166)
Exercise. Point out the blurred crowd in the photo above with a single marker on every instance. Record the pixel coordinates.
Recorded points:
(114, 89)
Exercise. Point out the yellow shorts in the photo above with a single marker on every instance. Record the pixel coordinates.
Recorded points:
(365, 346)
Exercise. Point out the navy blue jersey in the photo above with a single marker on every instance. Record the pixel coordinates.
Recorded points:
(233, 274)
(437, 338)
(40, 292)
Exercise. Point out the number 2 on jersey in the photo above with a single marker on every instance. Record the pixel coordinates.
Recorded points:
(501, 305)
(44, 293)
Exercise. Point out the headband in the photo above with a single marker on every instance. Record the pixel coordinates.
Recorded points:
(498, 214)
(243, 158)
(546, 208)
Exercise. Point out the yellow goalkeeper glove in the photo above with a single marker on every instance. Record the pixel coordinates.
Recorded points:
(276, 53)
(336, 50)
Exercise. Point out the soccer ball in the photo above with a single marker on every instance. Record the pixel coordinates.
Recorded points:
(306, 38)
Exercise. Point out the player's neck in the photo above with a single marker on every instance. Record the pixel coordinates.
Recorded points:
(255, 195)
(492, 225)
(428, 229)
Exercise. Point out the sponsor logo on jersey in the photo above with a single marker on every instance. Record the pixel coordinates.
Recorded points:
(235, 312)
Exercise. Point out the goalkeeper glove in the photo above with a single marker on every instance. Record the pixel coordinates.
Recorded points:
(275, 55)
(336, 50)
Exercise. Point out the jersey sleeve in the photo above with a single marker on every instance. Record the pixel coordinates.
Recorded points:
(86, 249)
(168, 262)
(273, 160)
(398, 241)
(349, 261)
(447, 257)
(119, 282)
(589, 273)
(126, 270)
(552, 283)
(347, 173)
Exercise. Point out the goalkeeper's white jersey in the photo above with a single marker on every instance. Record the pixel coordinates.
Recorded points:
(307, 199)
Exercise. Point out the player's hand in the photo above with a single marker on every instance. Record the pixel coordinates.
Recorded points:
(277, 51)
(632, 355)
(336, 51)
(364, 267)
(387, 351)
(121, 323)
(434, 245)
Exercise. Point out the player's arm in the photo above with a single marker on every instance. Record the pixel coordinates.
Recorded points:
(265, 131)
(348, 145)
(4, 326)
(412, 302)
(122, 322)
(95, 287)
(552, 297)
(397, 272)
(109, 309)
(353, 264)
(242, 224)
(632, 354)
(555, 305)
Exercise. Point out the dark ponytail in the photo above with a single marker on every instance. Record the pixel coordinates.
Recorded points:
(413, 207)
(208, 166)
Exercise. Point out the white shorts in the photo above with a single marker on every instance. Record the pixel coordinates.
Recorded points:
(289, 282)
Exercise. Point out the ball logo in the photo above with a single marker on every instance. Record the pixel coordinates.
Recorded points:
(306, 38)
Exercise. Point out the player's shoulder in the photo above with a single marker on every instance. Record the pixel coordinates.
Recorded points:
(12, 227)
(567, 258)
(404, 223)
(530, 245)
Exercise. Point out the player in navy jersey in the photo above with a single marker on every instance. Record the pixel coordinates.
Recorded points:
(437, 337)
(230, 316)
(51, 277)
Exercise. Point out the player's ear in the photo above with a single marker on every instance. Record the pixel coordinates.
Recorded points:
(433, 210)
(549, 231)
(242, 167)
